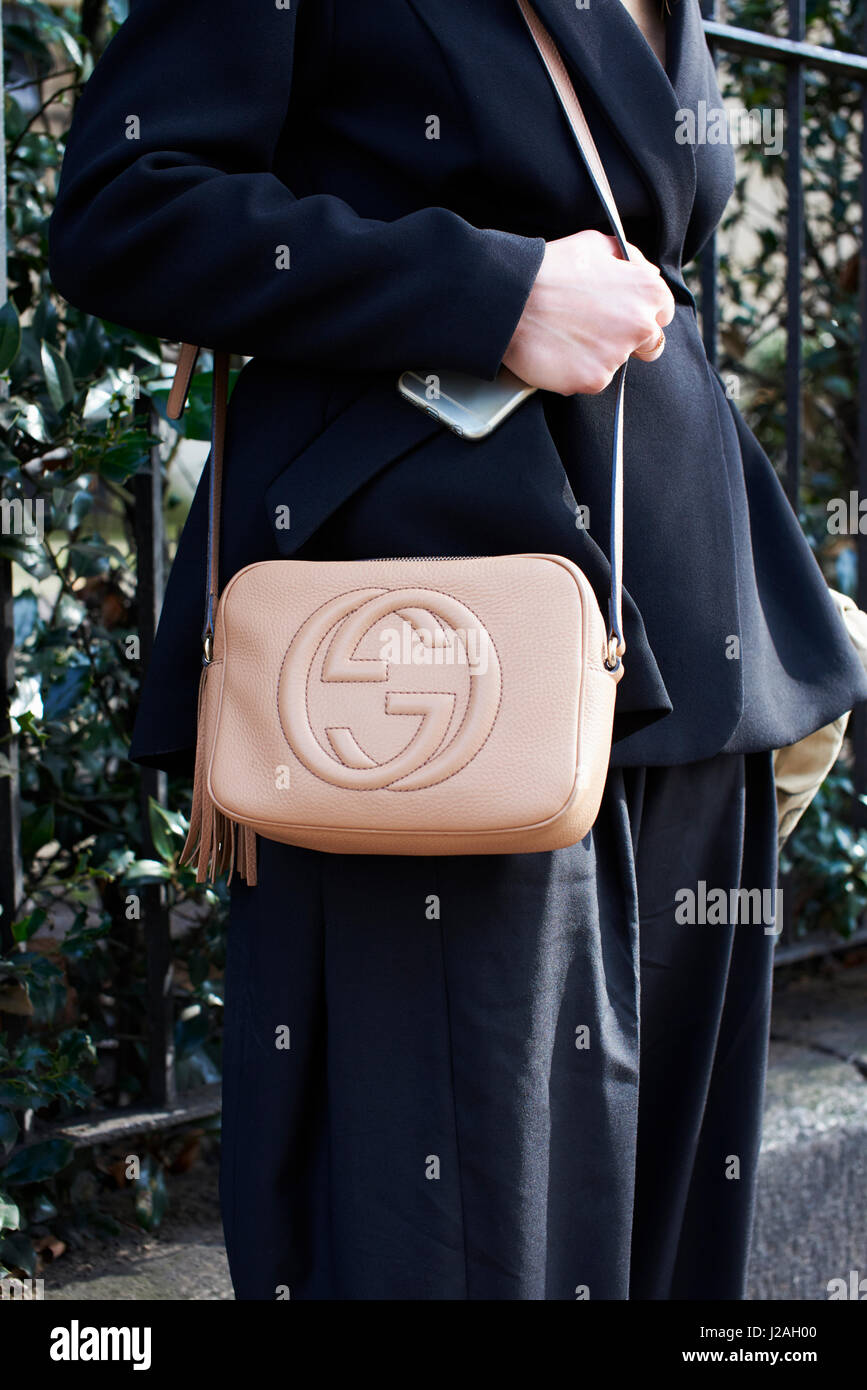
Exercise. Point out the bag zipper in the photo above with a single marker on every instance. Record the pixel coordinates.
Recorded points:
(372, 559)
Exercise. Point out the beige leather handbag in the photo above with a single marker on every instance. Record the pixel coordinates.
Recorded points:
(408, 705)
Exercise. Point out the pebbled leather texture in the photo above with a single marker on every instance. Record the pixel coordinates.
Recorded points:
(335, 717)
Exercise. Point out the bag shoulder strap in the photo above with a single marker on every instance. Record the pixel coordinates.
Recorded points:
(583, 137)
(174, 409)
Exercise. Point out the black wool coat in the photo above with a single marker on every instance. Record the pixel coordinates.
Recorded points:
(344, 190)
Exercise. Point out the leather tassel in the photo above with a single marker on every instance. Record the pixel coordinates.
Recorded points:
(215, 843)
(245, 861)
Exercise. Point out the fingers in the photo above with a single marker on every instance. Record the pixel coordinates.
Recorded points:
(651, 348)
(588, 312)
(663, 299)
(636, 255)
(665, 312)
(650, 274)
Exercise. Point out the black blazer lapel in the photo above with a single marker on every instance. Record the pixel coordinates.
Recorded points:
(604, 48)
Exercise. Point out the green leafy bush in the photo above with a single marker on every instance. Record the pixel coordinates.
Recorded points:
(78, 421)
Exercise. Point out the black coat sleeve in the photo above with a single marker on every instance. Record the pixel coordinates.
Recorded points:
(170, 220)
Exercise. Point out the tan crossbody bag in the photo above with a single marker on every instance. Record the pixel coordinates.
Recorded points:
(407, 705)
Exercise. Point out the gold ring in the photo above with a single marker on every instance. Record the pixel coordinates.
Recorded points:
(660, 342)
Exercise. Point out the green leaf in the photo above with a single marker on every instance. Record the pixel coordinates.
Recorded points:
(147, 871)
(58, 377)
(8, 1131)
(76, 1046)
(36, 1162)
(25, 927)
(196, 420)
(17, 1252)
(10, 1214)
(16, 1092)
(43, 1209)
(160, 833)
(63, 693)
(27, 724)
(85, 347)
(73, 1090)
(126, 457)
(71, 44)
(167, 827)
(31, 1055)
(10, 335)
(37, 830)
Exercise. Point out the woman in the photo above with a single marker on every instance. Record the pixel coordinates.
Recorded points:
(515, 1076)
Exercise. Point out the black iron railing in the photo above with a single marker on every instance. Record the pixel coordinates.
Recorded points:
(799, 57)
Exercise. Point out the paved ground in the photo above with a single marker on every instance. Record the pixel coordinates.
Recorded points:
(812, 1214)
(811, 1223)
(186, 1259)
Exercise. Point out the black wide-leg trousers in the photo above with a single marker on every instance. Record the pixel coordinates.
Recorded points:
(532, 1076)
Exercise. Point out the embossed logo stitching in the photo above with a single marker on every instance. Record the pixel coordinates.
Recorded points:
(347, 644)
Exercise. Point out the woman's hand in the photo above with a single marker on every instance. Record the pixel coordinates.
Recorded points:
(588, 311)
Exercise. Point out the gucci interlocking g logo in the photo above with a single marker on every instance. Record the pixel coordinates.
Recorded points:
(447, 675)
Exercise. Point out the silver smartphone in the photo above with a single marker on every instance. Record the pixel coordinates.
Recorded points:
(466, 404)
